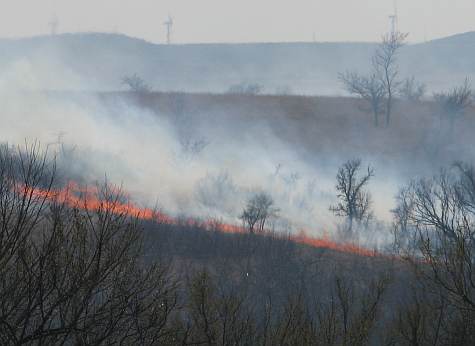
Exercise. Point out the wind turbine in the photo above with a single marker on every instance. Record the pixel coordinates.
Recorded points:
(169, 24)
(53, 24)
(394, 20)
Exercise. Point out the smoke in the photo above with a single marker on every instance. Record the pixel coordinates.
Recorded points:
(187, 169)
(185, 160)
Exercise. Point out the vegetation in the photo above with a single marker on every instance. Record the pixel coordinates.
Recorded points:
(411, 90)
(136, 84)
(380, 86)
(81, 273)
(258, 210)
(354, 202)
(455, 102)
(246, 89)
(369, 88)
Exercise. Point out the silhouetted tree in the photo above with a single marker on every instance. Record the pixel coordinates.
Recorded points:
(369, 88)
(245, 89)
(136, 84)
(354, 202)
(216, 319)
(440, 215)
(380, 86)
(454, 103)
(387, 70)
(73, 273)
(257, 212)
(411, 90)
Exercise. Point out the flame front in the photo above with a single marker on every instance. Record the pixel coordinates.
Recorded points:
(87, 198)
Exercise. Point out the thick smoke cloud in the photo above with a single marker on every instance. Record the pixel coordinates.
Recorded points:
(171, 158)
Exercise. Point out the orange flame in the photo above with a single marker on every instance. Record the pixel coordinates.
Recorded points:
(326, 243)
(87, 198)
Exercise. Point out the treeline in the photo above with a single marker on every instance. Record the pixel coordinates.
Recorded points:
(88, 274)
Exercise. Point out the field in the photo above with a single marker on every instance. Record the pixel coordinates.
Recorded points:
(250, 215)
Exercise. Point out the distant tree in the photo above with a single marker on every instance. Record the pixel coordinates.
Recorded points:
(136, 84)
(217, 192)
(369, 88)
(354, 202)
(193, 147)
(386, 67)
(379, 87)
(246, 89)
(258, 211)
(454, 103)
(411, 90)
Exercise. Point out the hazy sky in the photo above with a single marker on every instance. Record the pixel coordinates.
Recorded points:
(240, 20)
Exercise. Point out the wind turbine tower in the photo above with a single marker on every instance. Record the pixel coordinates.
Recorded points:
(394, 20)
(169, 24)
(53, 24)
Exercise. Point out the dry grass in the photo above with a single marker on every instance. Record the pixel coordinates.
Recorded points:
(333, 126)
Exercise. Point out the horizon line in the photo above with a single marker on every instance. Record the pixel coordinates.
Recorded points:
(178, 43)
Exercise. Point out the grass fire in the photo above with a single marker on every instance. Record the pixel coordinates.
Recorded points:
(215, 183)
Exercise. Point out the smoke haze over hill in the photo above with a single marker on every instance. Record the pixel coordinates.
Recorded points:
(302, 68)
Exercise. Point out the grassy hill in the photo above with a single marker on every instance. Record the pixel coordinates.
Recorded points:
(97, 61)
(319, 128)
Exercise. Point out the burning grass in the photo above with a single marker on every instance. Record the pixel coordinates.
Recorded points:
(109, 198)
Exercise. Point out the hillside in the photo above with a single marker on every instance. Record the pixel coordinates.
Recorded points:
(66, 62)
(290, 145)
(317, 129)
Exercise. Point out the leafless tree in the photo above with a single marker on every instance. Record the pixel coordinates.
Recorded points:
(72, 273)
(347, 318)
(441, 216)
(193, 147)
(411, 90)
(417, 320)
(246, 89)
(386, 67)
(216, 319)
(354, 201)
(136, 84)
(357, 311)
(369, 88)
(455, 102)
(217, 192)
(257, 212)
(380, 86)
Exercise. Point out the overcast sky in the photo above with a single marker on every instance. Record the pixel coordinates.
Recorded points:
(240, 20)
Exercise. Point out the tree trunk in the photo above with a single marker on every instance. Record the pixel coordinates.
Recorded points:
(350, 226)
(388, 109)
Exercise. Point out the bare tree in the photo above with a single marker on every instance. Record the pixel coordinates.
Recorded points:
(257, 212)
(348, 317)
(439, 214)
(411, 90)
(417, 321)
(73, 273)
(217, 192)
(217, 318)
(136, 84)
(369, 88)
(246, 89)
(454, 103)
(354, 201)
(385, 65)
(380, 86)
